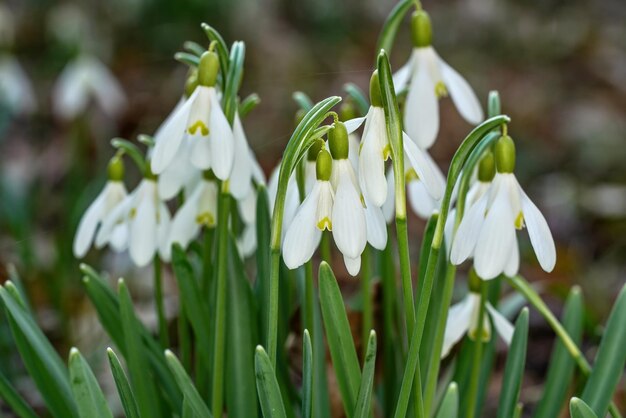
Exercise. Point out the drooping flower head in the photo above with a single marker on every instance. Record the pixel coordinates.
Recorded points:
(487, 231)
(429, 78)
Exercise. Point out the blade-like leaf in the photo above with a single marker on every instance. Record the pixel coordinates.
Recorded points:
(13, 399)
(610, 360)
(123, 386)
(339, 337)
(514, 368)
(267, 386)
(303, 100)
(233, 80)
(358, 96)
(450, 404)
(88, 395)
(364, 400)
(263, 257)
(192, 397)
(141, 379)
(391, 25)
(307, 375)
(579, 409)
(222, 49)
(561, 363)
(41, 360)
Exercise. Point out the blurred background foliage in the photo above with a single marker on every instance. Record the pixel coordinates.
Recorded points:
(560, 67)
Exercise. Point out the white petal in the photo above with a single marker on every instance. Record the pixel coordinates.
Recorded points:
(468, 232)
(303, 236)
(118, 241)
(422, 204)
(15, 86)
(539, 232)
(390, 202)
(221, 141)
(462, 94)
(353, 265)
(354, 124)
(110, 221)
(495, 239)
(179, 173)
(349, 227)
(372, 158)
(502, 325)
(376, 226)
(425, 167)
(458, 323)
(88, 224)
(143, 232)
(421, 114)
(402, 76)
(247, 243)
(170, 135)
(163, 232)
(310, 176)
(323, 217)
(353, 151)
(257, 171)
(512, 265)
(247, 207)
(70, 94)
(200, 152)
(240, 183)
(184, 227)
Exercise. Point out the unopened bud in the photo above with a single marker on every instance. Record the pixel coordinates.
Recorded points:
(375, 93)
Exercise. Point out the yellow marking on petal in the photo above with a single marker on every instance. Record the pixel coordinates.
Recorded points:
(132, 213)
(519, 221)
(411, 175)
(386, 152)
(325, 224)
(205, 218)
(204, 131)
(440, 90)
(486, 335)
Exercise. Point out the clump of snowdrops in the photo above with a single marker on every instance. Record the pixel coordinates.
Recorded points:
(249, 254)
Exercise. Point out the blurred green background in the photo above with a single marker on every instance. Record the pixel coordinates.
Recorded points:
(560, 67)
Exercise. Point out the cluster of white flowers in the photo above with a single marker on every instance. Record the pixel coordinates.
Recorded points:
(193, 149)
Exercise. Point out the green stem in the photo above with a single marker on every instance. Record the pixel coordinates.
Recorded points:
(184, 338)
(309, 297)
(220, 304)
(478, 352)
(158, 301)
(522, 286)
(207, 264)
(272, 334)
(326, 251)
(366, 294)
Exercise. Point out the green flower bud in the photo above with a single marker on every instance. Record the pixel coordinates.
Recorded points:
(315, 149)
(375, 93)
(347, 110)
(421, 29)
(116, 168)
(208, 68)
(473, 281)
(487, 167)
(338, 141)
(191, 83)
(323, 165)
(505, 155)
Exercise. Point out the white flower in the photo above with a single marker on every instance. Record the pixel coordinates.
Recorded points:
(240, 183)
(83, 79)
(179, 174)
(199, 120)
(147, 219)
(199, 209)
(429, 78)
(463, 319)
(292, 199)
(16, 91)
(475, 192)
(487, 230)
(375, 149)
(247, 242)
(110, 196)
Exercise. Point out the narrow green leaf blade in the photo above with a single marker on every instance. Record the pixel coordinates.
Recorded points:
(514, 368)
(222, 49)
(123, 386)
(364, 399)
(358, 96)
(267, 386)
(262, 291)
(561, 363)
(233, 80)
(303, 100)
(450, 404)
(307, 375)
(610, 360)
(13, 399)
(391, 25)
(579, 409)
(88, 395)
(339, 337)
(191, 395)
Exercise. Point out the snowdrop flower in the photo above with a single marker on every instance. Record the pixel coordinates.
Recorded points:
(376, 149)
(247, 242)
(111, 195)
(463, 319)
(16, 91)
(83, 79)
(487, 231)
(198, 210)
(292, 199)
(430, 78)
(199, 120)
(147, 219)
(240, 183)
(179, 174)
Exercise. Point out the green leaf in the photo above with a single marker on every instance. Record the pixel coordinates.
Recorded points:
(141, 379)
(248, 104)
(241, 397)
(263, 257)
(339, 337)
(514, 368)
(13, 399)
(88, 395)
(303, 100)
(450, 404)
(233, 80)
(391, 25)
(561, 363)
(123, 386)
(579, 409)
(359, 97)
(610, 360)
(267, 386)
(222, 49)
(186, 58)
(192, 397)
(364, 399)
(307, 375)
(194, 47)
(41, 360)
